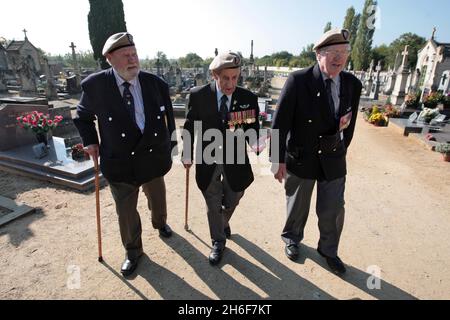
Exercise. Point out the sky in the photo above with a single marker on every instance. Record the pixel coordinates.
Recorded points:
(177, 27)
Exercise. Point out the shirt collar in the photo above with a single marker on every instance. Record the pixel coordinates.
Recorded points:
(220, 94)
(120, 81)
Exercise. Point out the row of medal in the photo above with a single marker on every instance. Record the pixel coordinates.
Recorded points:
(240, 118)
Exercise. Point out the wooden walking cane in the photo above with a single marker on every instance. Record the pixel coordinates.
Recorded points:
(186, 226)
(97, 202)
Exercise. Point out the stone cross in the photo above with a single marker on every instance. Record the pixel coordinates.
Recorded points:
(405, 54)
(378, 68)
(216, 52)
(25, 32)
(74, 57)
(434, 33)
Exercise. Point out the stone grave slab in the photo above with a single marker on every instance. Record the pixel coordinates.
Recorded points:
(57, 167)
(10, 210)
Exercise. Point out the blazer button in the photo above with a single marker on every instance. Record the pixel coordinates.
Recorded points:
(320, 137)
(123, 135)
(132, 153)
(156, 134)
(334, 150)
(151, 150)
(159, 117)
(320, 151)
(310, 121)
(110, 119)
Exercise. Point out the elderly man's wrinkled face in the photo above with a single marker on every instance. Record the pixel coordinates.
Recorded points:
(227, 80)
(125, 61)
(333, 59)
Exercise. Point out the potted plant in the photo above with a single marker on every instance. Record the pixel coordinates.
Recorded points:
(412, 100)
(262, 118)
(391, 112)
(78, 153)
(432, 100)
(444, 148)
(39, 123)
(446, 101)
(428, 114)
(377, 118)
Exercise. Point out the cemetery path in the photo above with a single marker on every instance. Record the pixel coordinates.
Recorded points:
(397, 227)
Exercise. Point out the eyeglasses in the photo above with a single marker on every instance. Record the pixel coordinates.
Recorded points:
(335, 53)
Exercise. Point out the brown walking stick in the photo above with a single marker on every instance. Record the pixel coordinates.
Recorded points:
(97, 202)
(186, 226)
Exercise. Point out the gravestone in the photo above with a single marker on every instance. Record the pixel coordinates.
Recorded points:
(369, 79)
(11, 135)
(73, 85)
(374, 93)
(66, 128)
(399, 92)
(28, 77)
(444, 84)
(50, 90)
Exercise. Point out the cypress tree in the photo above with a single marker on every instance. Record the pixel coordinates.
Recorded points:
(106, 17)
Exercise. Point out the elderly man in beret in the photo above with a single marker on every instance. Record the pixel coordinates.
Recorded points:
(227, 110)
(135, 121)
(316, 118)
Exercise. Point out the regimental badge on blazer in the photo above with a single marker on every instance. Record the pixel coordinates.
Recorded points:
(244, 106)
(240, 118)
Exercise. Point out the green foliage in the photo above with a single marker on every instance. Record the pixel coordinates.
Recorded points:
(415, 44)
(327, 27)
(85, 60)
(191, 60)
(443, 148)
(351, 23)
(106, 17)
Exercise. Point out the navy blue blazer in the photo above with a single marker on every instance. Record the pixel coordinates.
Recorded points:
(310, 141)
(127, 154)
(203, 108)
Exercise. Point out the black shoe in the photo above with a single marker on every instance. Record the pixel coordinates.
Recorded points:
(129, 266)
(216, 253)
(227, 232)
(165, 231)
(292, 251)
(336, 265)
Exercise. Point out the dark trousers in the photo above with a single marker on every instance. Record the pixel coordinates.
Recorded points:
(221, 201)
(126, 197)
(329, 208)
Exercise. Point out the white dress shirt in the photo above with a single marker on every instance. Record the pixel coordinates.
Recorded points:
(136, 92)
(335, 90)
(219, 97)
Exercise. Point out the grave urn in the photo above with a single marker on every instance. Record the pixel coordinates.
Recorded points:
(42, 137)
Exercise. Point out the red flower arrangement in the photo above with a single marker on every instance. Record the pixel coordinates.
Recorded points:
(38, 122)
(262, 116)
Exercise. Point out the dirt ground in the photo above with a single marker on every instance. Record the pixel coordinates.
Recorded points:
(397, 227)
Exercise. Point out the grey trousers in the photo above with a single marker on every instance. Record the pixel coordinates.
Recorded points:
(329, 208)
(221, 202)
(126, 197)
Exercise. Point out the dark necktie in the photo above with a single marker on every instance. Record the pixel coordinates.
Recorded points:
(330, 97)
(224, 109)
(129, 101)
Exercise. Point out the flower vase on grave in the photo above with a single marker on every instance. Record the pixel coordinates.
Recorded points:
(42, 138)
